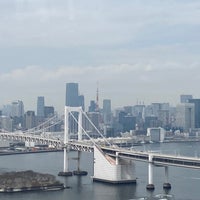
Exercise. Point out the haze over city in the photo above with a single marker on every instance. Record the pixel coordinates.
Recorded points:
(143, 50)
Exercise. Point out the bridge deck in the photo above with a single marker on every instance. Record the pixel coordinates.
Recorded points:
(158, 159)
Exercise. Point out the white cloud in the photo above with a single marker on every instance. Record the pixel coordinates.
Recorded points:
(122, 83)
(135, 49)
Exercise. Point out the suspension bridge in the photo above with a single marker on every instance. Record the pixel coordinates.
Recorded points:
(112, 164)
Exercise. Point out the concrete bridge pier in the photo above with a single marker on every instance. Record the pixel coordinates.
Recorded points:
(166, 185)
(79, 172)
(150, 185)
(66, 171)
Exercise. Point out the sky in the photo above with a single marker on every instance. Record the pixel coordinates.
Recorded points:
(134, 50)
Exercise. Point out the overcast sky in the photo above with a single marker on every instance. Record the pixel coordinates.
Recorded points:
(137, 50)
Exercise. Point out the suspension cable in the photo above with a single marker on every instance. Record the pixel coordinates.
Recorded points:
(93, 126)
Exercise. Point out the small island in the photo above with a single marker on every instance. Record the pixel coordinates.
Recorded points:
(28, 181)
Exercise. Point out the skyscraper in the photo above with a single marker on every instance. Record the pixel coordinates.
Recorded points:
(185, 116)
(29, 119)
(40, 107)
(107, 111)
(196, 103)
(48, 111)
(92, 106)
(81, 101)
(17, 109)
(72, 97)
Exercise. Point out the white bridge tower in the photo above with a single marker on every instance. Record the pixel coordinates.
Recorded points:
(68, 111)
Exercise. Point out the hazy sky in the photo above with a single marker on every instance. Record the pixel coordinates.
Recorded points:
(136, 49)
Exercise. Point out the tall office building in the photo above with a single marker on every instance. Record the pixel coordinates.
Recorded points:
(196, 103)
(185, 116)
(40, 107)
(107, 111)
(17, 109)
(72, 97)
(82, 101)
(92, 106)
(29, 119)
(6, 123)
(48, 111)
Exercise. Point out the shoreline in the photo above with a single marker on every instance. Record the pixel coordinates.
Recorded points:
(4, 153)
(36, 188)
(22, 181)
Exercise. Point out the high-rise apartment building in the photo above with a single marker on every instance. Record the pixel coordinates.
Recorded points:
(40, 106)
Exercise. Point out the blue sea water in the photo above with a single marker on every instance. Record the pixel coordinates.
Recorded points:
(185, 182)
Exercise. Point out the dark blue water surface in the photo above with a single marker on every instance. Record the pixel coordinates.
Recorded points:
(185, 182)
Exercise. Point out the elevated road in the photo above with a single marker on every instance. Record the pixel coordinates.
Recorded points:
(87, 146)
(157, 159)
(24, 137)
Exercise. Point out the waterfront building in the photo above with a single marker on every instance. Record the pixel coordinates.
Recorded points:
(196, 103)
(185, 116)
(151, 121)
(156, 134)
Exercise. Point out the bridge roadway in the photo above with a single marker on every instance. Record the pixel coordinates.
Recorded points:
(157, 159)
(24, 137)
(114, 151)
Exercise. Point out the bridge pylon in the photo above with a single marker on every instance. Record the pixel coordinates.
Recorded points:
(66, 172)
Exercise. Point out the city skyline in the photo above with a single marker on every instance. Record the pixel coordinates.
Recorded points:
(93, 101)
(138, 51)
